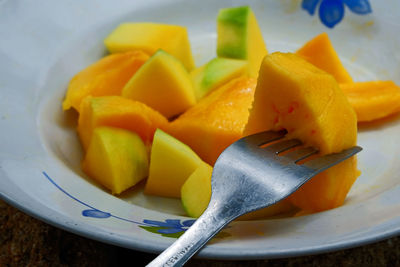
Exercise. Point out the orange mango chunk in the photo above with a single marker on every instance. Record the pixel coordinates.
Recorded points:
(320, 52)
(163, 84)
(105, 77)
(150, 37)
(373, 100)
(116, 111)
(295, 95)
(217, 120)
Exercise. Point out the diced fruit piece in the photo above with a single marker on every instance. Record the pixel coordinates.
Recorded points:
(171, 163)
(196, 191)
(163, 84)
(320, 52)
(196, 194)
(293, 94)
(118, 112)
(105, 77)
(150, 37)
(116, 158)
(240, 37)
(373, 100)
(216, 73)
(217, 120)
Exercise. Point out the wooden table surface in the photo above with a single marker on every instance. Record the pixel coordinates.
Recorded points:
(25, 241)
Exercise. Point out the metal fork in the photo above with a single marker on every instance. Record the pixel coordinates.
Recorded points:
(247, 177)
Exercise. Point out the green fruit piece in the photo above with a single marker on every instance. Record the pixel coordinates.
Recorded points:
(116, 158)
(240, 37)
(216, 73)
(196, 191)
(171, 163)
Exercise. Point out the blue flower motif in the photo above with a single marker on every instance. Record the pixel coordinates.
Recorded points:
(95, 213)
(331, 12)
(170, 226)
(173, 228)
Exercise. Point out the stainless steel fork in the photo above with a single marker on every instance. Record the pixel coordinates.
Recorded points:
(247, 177)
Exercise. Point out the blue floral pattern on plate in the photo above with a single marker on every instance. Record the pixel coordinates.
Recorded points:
(331, 12)
(169, 228)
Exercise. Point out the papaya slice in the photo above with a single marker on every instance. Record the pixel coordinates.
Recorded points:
(373, 100)
(105, 77)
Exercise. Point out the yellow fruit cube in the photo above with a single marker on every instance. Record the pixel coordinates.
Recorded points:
(150, 37)
(163, 84)
(240, 37)
(116, 111)
(196, 191)
(171, 163)
(116, 158)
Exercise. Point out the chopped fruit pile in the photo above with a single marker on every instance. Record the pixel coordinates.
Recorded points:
(146, 112)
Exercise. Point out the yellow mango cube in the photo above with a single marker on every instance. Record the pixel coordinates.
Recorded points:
(196, 191)
(163, 84)
(116, 158)
(150, 37)
(116, 111)
(171, 163)
(240, 37)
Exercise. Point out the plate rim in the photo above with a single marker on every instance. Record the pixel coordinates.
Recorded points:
(207, 252)
(211, 253)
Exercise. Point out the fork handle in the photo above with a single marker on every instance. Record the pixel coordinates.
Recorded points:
(205, 227)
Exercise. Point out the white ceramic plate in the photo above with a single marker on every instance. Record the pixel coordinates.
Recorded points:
(43, 44)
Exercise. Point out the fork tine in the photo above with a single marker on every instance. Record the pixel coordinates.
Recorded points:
(322, 163)
(283, 145)
(263, 138)
(301, 153)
